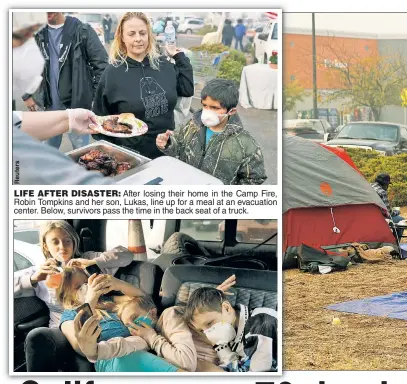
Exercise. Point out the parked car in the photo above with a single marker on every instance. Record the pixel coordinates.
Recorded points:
(312, 129)
(190, 26)
(26, 255)
(254, 30)
(386, 138)
(266, 42)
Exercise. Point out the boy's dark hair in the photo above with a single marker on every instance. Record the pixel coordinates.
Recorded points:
(203, 300)
(240, 21)
(222, 90)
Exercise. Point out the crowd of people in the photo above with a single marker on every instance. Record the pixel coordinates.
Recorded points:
(61, 65)
(125, 332)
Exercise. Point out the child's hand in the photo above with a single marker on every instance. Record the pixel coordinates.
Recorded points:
(228, 283)
(162, 139)
(145, 331)
(80, 263)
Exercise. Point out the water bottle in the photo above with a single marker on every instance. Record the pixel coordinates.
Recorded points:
(169, 33)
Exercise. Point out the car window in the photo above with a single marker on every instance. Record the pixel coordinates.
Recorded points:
(403, 132)
(196, 22)
(256, 231)
(317, 125)
(20, 262)
(274, 36)
(267, 28)
(368, 131)
(205, 230)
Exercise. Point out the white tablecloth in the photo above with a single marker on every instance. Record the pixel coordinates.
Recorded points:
(258, 87)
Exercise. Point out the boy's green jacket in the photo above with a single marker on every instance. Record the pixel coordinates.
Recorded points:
(232, 155)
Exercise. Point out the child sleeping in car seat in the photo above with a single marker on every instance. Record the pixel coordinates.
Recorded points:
(244, 340)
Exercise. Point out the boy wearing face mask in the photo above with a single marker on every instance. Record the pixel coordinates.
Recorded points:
(214, 140)
(245, 340)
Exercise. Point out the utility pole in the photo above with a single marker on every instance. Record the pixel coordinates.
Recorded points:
(314, 70)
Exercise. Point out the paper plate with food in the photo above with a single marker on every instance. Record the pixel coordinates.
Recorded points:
(123, 125)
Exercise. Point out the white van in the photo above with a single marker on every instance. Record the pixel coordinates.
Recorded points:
(266, 42)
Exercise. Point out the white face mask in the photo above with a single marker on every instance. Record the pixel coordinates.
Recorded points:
(81, 293)
(220, 333)
(28, 64)
(210, 118)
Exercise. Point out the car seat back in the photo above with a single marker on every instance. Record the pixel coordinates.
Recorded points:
(143, 275)
(253, 288)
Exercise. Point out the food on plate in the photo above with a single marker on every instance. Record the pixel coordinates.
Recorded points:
(96, 160)
(113, 125)
(125, 123)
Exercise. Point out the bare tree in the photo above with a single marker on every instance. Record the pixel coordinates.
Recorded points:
(372, 81)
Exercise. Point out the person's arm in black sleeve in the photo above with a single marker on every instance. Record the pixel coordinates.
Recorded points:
(185, 76)
(96, 56)
(100, 103)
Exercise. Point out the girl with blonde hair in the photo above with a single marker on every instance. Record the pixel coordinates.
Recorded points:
(140, 81)
(60, 245)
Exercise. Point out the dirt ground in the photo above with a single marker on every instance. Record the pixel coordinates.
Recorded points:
(312, 342)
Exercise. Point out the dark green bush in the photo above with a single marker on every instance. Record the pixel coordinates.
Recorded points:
(371, 163)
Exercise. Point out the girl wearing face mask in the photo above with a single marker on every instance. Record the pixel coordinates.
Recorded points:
(60, 245)
(140, 81)
(215, 141)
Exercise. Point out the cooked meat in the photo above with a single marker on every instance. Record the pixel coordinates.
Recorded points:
(93, 165)
(123, 128)
(122, 167)
(93, 154)
(100, 161)
(111, 125)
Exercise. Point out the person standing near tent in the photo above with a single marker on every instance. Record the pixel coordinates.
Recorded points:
(381, 186)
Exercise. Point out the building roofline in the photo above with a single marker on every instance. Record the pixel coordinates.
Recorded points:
(354, 35)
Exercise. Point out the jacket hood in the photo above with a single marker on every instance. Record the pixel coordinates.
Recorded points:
(137, 64)
(232, 127)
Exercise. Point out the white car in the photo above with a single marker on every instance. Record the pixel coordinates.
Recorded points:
(190, 26)
(25, 256)
(266, 42)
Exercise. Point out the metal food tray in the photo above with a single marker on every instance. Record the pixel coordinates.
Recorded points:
(119, 153)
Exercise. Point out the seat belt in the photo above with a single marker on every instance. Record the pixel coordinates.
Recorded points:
(86, 239)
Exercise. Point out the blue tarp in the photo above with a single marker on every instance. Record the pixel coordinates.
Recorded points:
(393, 306)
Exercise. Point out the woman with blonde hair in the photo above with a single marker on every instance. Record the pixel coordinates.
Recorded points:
(60, 245)
(140, 81)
